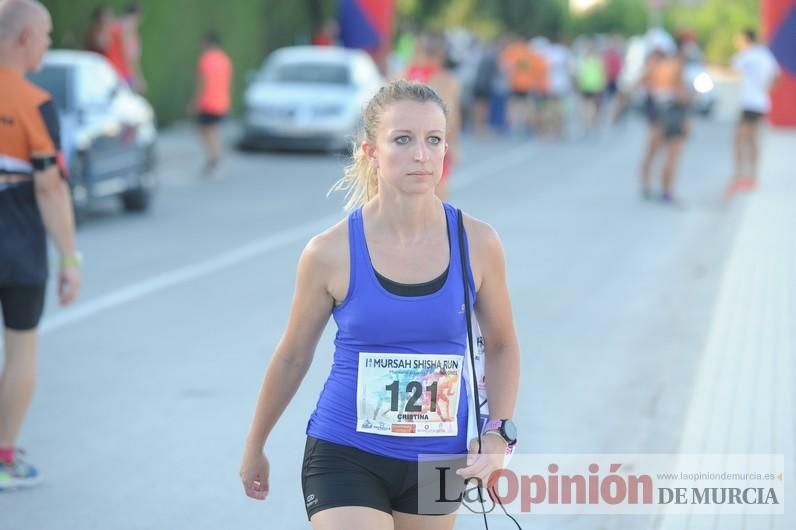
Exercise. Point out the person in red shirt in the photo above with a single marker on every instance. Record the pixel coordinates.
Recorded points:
(212, 100)
(612, 59)
(328, 34)
(114, 49)
(123, 49)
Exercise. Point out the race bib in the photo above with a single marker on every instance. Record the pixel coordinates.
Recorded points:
(402, 394)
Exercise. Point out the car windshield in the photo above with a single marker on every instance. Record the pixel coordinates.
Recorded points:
(310, 73)
(53, 79)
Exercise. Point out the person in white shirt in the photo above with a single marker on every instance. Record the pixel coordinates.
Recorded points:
(560, 71)
(758, 70)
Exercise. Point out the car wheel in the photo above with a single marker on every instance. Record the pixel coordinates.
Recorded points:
(136, 200)
(77, 179)
(246, 144)
(139, 199)
(254, 145)
(79, 214)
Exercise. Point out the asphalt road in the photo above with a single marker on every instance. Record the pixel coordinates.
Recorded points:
(148, 383)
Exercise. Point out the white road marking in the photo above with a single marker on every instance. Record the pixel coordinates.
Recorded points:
(154, 284)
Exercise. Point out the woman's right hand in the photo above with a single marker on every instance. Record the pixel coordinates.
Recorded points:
(254, 474)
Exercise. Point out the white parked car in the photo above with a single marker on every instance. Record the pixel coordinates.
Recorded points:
(108, 132)
(308, 97)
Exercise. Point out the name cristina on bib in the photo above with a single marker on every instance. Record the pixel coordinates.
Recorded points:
(401, 394)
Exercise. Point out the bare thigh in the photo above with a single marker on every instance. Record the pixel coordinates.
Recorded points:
(352, 518)
(208, 131)
(654, 140)
(673, 149)
(409, 521)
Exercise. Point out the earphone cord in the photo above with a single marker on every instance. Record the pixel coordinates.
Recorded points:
(465, 273)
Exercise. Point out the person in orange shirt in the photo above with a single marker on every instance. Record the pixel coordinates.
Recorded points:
(212, 100)
(527, 73)
(35, 202)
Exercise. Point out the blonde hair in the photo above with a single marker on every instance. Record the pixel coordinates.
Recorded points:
(360, 180)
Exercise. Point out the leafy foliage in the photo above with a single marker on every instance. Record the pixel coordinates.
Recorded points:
(171, 32)
(716, 24)
(626, 17)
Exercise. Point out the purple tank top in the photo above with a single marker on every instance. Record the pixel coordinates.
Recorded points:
(371, 319)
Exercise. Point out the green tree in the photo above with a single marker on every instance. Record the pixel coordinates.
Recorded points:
(487, 17)
(419, 12)
(171, 32)
(627, 17)
(465, 14)
(716, 23)
(538, 17)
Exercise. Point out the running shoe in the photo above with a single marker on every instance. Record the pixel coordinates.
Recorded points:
(211, 166)
(669, 200)
(18, 474)
(739, 185)
(732, 188)
(749, 184)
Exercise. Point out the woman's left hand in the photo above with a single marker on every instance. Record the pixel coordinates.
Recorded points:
(491, 458)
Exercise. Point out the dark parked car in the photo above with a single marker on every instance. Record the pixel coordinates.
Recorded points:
(108, 132)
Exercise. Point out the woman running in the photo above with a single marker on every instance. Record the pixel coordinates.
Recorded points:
(391, 277)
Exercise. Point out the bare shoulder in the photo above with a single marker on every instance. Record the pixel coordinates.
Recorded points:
(481, 236)
(326, 260)
(486, 249)
(328, 249)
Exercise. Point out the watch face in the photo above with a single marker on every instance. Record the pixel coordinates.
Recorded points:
(510, 430)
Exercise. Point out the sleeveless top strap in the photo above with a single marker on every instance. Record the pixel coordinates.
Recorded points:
(455, 260)
(355, 252)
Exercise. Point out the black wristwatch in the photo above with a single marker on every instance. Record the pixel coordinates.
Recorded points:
(505, 428)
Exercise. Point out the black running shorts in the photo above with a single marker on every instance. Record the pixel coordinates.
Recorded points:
(336, 475)
(750, 116)
(22, 306)
(673, 120)
(209, 118)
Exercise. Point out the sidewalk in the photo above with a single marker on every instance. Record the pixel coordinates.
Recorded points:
(743, 400)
